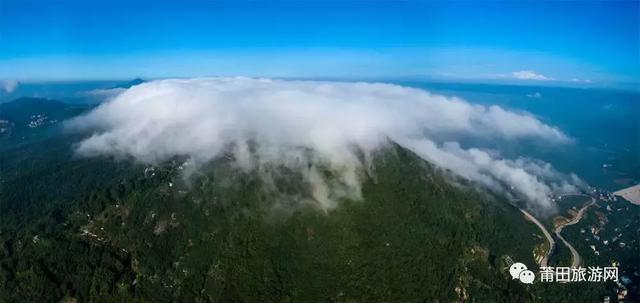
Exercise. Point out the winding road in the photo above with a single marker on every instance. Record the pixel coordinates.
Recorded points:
(576, 259)
(545, 260)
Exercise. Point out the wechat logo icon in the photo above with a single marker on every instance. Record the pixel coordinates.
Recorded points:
(519, 271)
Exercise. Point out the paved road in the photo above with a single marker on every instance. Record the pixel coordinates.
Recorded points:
(552, 243)
(576, 259)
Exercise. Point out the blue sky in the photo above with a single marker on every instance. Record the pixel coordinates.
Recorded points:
(573, 43)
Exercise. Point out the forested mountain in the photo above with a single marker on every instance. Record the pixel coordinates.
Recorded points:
(107, 230)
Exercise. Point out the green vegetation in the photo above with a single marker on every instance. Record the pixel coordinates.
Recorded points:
(613, 229)
(104, 230)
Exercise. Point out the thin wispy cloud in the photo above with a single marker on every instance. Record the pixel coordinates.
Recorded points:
(536, 95)
(100, 94)
(8, 86)
(530, 75)
(580, 80)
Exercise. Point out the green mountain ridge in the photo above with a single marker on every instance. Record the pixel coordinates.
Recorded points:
(105, 230)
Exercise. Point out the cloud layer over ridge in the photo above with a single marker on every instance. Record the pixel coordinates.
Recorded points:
(201, 118)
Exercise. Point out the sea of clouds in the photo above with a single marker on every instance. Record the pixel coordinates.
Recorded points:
(265, 121)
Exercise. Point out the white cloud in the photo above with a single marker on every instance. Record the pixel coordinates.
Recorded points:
(536, 95)
(203, 118)
(104, 93)
(529, 75)
(528, 178)
(580, 80)
(101, 94)
(8, 86)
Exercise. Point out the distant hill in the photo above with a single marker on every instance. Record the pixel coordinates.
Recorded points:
(131, 83)
(21, 109)
(30, 118)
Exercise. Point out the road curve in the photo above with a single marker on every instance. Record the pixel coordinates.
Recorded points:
(576, 259)
(545, 260)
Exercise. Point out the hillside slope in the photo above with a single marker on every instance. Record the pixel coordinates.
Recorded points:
(104, 230)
